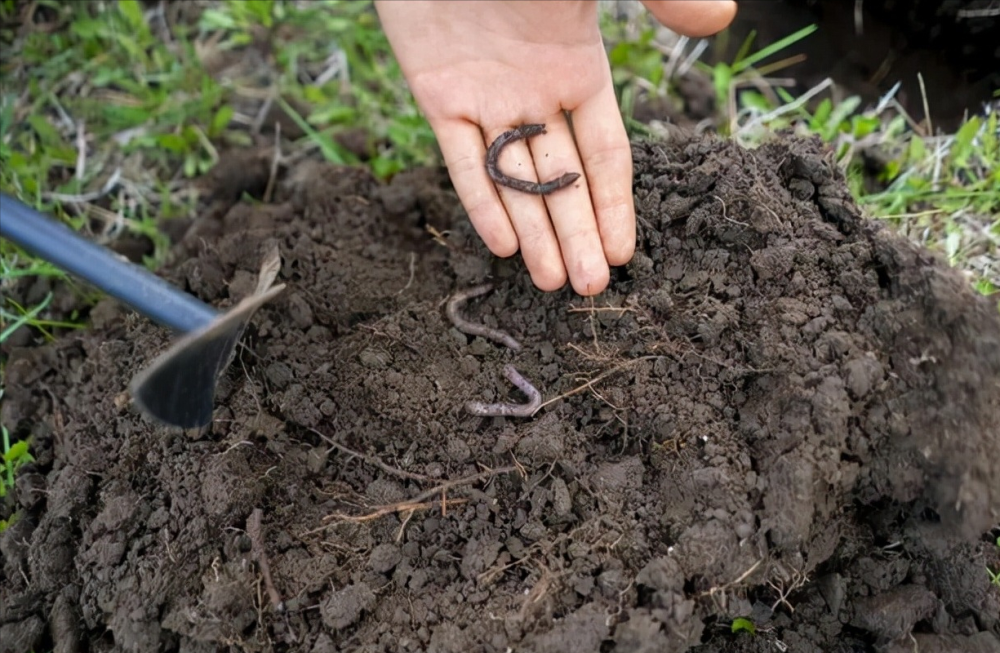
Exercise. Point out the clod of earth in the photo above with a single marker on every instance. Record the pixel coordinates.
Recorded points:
(800, 429)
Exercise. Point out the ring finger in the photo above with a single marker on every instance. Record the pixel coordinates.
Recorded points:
(529, 216)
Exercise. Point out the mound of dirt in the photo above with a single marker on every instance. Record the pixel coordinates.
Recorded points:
(778, 411)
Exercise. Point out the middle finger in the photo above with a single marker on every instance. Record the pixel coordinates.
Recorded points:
(572, 211)
(529, 216)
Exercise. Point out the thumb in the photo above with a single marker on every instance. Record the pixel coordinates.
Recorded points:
(696, 19)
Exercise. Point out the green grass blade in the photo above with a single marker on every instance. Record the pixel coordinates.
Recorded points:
(27, 318)
(774, 48)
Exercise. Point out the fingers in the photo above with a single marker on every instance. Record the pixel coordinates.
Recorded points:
(465, 155)
(574, 232)
(695, 19)
(571, 210)
(607, 160)
(529, 215)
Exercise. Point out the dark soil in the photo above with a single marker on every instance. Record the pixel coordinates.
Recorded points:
(778, 411)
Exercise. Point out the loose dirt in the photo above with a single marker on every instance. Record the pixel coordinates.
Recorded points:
(778, 411)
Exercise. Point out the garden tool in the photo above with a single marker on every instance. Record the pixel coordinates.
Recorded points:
(179, 387)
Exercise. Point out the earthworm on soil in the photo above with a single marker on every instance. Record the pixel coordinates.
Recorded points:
(471, 328)
(510, 410)
(497, 175)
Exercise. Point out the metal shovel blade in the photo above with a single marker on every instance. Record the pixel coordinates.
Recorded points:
(179, 387)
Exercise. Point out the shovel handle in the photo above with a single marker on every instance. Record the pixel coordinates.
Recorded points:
(133, 285)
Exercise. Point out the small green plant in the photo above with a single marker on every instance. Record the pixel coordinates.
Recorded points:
(13, 457)
(994, 575)
(743, 624)
(7, 523)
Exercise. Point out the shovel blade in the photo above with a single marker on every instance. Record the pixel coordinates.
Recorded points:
(179, 387)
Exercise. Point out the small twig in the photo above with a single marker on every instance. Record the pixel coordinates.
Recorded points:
(413, 269)
(408, 507)
(439, 237)
(81, 151)
(402, 526)
(602, 309)
(927, 109)
(510, 410)
(257, 551)
(471, 328)
(727, 586)
(726, 217)
(80, 198)
(371, 460)
(599, 377)
(262, 113)
(421, 501)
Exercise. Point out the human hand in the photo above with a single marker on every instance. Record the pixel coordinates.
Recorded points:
(478, 69)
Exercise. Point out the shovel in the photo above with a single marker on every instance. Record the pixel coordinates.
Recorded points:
(179, 387)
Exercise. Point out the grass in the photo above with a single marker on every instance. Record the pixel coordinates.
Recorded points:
(12, 457)
(112, 144)
(108, 110)
(995, 575)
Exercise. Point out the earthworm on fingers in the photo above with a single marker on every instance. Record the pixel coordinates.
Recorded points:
(497, 175)
(471, 328)
(510, 410)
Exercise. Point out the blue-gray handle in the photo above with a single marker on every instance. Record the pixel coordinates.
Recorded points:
(134, 285)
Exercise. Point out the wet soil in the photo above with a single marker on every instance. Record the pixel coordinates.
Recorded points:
(778, 411)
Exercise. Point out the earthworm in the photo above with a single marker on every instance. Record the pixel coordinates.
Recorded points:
(510, 410)
(497, 175)
(471, 328)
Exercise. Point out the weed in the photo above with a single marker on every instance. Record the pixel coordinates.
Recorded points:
(994, 575)
(7, 523)
(743, 624)
(727, 79)
(13, 456)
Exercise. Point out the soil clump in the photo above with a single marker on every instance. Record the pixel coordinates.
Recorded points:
(778, 411)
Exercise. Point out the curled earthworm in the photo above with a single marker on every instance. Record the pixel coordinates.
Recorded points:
(510, 410)
(471, 328)
(497, 175)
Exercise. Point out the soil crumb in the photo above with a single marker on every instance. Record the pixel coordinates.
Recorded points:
(778, 411)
